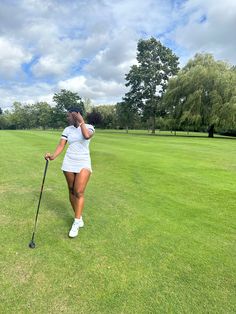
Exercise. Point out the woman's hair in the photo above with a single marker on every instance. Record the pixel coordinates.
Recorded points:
(75, 110)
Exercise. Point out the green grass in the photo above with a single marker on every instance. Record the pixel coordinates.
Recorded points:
(159, 234)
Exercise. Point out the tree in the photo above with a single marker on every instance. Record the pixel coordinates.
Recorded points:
(88, 105)
(65, 100)
(148, 80)
(203, 95)
(126, 115)
(6, 120)
(94, 117)
(3, 122)
(108, 114)
(1, 112)
(20, 117)
(30, 115)
(43, 112)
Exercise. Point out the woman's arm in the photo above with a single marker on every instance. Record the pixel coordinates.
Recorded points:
(58, 150)
(80, 122)
(86, 133)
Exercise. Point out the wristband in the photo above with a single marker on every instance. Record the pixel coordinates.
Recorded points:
(81, 123)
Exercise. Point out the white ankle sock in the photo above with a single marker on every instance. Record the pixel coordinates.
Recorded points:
(77, 220)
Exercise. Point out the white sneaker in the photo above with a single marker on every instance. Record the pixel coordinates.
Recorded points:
(74, 230)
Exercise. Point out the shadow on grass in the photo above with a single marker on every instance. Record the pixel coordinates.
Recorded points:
(62, 209)
(217, 136)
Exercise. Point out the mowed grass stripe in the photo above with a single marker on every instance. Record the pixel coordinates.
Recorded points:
(159, 234)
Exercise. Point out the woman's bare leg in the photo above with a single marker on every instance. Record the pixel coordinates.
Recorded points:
(80, 182)
(70, 178)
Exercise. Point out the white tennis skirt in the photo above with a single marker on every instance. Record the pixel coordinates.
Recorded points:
(72, 164)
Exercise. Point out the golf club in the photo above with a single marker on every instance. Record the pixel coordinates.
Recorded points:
(32, 243)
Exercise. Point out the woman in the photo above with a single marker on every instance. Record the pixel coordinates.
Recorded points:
(76, 164)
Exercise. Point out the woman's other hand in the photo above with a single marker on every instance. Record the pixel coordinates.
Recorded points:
(49, 156)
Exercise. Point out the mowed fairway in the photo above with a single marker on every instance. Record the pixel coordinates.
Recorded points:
(159, 233)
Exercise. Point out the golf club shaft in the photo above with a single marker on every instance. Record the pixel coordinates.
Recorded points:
(41, 192)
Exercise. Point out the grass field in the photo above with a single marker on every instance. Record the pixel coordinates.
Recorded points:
(159, 233)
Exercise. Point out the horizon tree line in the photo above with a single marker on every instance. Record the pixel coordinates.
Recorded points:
(199, 97)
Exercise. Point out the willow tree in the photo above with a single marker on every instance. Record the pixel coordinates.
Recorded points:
(203, 95)
(149, 78)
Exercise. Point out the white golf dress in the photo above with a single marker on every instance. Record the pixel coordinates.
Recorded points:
(77, 155)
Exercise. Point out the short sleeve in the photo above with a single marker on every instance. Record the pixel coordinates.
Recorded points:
(65, 134)
(90, 128)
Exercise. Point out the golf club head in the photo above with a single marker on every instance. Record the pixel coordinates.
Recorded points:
(32, 244)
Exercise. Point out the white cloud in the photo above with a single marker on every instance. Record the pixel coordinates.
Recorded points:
(99, 91)
(75, 84)
(113, 62)
(26, 94)
(11, 58)
(150, 16)
(208, 28)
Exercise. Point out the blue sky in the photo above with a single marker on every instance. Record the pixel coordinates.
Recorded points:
(88, 46)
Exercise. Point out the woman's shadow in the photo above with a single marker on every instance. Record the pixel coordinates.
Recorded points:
(61, 208)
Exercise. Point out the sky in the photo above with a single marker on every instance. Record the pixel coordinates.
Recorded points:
(87, 46)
